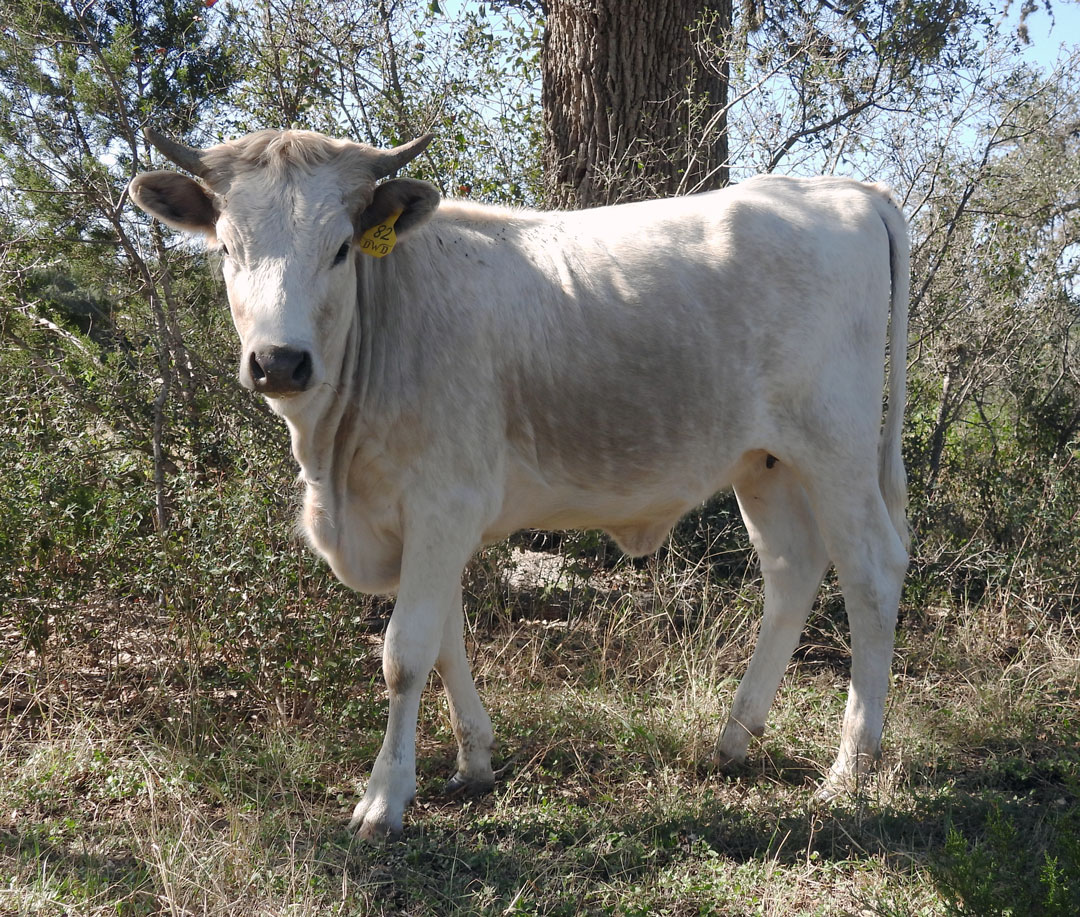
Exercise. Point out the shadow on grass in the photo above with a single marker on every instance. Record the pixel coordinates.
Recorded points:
(997, 832)
(1001, 839)
(79, 877)
(991, 842)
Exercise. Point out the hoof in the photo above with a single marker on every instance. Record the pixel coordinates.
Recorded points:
(722, 762)
(836, 786)
(730, 752)
(378, 834)
(849, 775)
(729, 756)
(829, 791)
(373, 827)
(460, 785)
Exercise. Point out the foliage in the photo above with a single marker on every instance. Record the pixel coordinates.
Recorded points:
(1000, 872)
(386, 72)
(813, 82)
(120, 318)
(996, 412)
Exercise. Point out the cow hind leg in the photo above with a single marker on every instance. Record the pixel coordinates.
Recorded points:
(469, 719)
(871, 561)
(793, 560)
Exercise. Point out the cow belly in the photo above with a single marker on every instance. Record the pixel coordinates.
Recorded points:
(639, 519)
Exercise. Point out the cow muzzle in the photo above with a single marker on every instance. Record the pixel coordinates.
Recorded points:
(280, 371)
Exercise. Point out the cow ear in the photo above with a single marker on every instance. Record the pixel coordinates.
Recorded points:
(415, 200)
(176, 200)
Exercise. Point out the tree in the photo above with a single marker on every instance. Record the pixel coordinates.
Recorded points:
(77, 83)
(997, 382)
(815, 79)
(645, 100)
(631, 109)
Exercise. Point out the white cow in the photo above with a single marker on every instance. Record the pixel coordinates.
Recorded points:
(609, 369)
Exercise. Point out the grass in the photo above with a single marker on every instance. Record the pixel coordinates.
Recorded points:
(141, 776)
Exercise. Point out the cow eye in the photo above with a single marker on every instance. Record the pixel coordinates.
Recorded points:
(224, 250)
(342, 253)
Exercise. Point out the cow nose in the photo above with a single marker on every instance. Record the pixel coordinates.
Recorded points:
(280, 370)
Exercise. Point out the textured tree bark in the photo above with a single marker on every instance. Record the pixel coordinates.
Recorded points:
(633, 108)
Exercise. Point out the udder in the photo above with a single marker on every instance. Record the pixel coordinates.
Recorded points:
(639, 540)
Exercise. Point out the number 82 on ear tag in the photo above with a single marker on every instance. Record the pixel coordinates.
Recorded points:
(379, 240)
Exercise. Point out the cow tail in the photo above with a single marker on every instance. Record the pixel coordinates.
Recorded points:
(891, 474)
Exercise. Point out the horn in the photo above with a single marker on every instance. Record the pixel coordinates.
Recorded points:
(389, 161)
(184, 156)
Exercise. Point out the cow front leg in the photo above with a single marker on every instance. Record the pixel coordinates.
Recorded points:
(469, 719)
(430, 587)
(412, 641)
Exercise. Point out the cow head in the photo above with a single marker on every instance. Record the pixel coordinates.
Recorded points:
(285, 209)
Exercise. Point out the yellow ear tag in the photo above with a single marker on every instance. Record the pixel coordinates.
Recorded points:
(380, 240)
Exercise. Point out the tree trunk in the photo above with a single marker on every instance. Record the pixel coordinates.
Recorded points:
(634, 97)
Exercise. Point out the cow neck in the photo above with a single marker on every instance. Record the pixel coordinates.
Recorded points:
(363, 319)
(385, 364)
(369, 382)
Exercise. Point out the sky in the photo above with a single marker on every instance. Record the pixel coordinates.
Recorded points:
(1048, 34)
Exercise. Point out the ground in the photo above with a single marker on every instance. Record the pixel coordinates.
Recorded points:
(144, 770)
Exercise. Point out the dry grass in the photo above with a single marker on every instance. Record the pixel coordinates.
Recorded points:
(139, 777)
